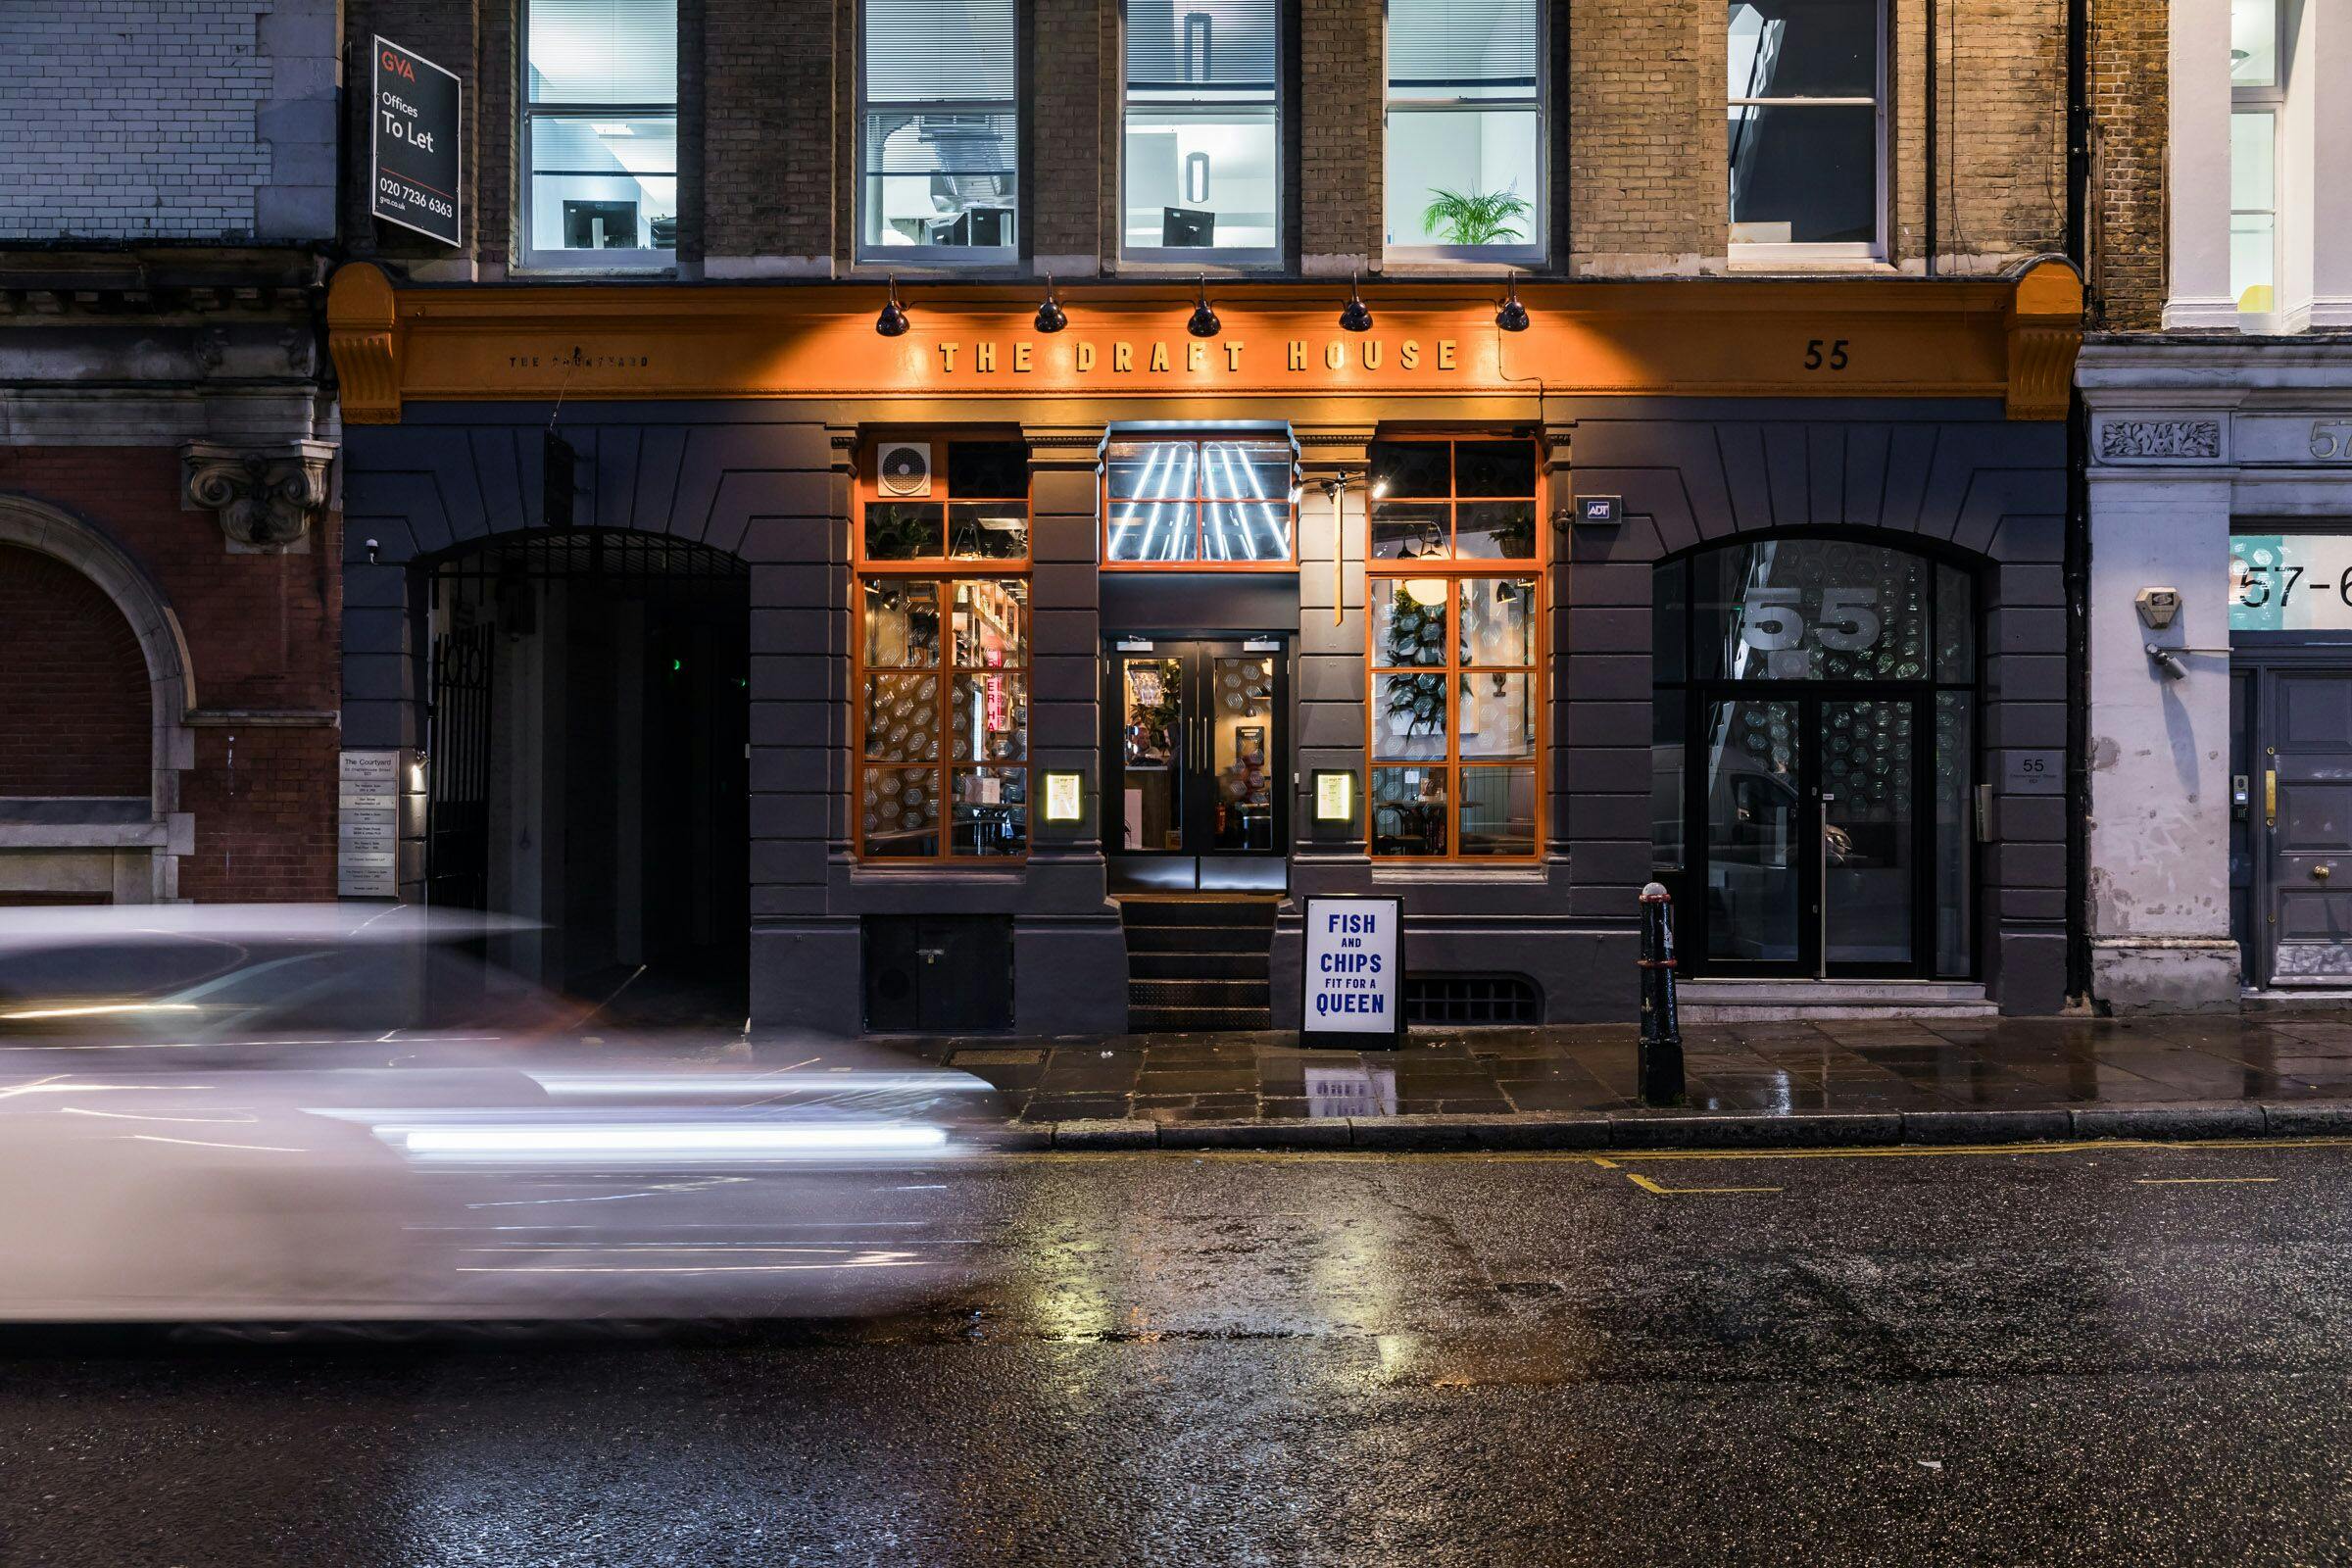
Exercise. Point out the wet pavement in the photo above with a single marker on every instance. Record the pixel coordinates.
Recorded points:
(2111, 1354)
(1782, 1068)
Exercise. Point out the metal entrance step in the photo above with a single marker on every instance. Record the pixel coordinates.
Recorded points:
(1198, 963)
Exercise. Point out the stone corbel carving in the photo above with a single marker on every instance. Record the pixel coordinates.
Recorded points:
(267, 499)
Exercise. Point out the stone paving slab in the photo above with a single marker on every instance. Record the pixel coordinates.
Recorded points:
(1782, 1083)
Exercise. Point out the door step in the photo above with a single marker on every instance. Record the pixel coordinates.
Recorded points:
(1756, 1001)
(1198, 963)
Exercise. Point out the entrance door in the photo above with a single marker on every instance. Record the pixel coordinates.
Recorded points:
(2304, 801)
(1809, 837)
(1198, 763)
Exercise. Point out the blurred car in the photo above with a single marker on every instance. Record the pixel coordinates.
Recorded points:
(208, 1117)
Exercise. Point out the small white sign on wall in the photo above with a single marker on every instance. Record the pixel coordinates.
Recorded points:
(1355, 968)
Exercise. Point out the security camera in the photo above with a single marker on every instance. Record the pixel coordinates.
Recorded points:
(2169, 662)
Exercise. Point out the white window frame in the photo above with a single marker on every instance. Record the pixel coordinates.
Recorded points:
(916, 258)
(629, 259)
(1531, 254)
(1874, 250)
(2268, 99)
(1210, 257)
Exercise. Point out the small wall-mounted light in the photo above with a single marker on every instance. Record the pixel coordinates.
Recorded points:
(1203, 323)
(1065, 796)
(1334, 793)
(892, 322)
(1355, 316)
(371, 547)
(1511, 316)
(1050, 316)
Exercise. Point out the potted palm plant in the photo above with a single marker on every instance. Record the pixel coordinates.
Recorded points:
(1475, 218)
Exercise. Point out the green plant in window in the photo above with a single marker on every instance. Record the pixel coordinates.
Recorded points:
(1475, 218)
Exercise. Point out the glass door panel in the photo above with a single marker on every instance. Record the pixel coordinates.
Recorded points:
(1152, 725)
(1868, 833)
(1753, 824)
(1241, 752)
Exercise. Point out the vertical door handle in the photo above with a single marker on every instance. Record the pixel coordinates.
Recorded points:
(2270, 797)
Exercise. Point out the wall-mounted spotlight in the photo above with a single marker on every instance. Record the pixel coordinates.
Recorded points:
(1204, 322)
(1355, 316)
(1050, 316)
(372, 547)
(1512, 316)
(892, 322)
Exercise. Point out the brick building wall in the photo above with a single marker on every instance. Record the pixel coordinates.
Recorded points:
(263, 632)
(177, 120)
(1342, 89)
(1638, 175)
(1645, 136)
(448, 32)
(2130, 107)
(265, 828)
(73, 705)
(771, 177)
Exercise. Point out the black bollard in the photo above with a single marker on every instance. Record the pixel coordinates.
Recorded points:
(1660, 1069)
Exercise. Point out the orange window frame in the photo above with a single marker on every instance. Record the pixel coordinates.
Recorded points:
(1196, 501)
(1453, 571)
(947, 571)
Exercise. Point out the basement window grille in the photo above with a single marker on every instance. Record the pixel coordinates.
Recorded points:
(1472, 999)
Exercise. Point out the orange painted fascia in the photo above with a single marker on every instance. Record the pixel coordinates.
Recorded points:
(1831, 337)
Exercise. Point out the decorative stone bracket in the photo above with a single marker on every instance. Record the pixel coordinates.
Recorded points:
(267, 500)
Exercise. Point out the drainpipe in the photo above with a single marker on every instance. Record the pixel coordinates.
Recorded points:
(1929, 100)
(2078, 523)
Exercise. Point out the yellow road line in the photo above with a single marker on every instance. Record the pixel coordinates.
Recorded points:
(1604, 1164)
(1648, 1186)
(2200, 1180)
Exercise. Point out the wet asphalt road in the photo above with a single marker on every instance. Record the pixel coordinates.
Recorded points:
(2109, 1355)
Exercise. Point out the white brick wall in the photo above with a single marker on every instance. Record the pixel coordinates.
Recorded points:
(139, 120)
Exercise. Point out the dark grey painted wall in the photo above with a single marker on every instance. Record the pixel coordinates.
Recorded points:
(770, 484)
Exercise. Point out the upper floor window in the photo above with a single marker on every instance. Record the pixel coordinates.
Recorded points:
(1216, 502)
(1465, 127)
(2257, 96)
(939, 151)
(1804, 129)
(1203, 152)
(600, 144)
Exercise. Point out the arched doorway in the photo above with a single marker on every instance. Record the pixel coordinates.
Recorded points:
(98, 690)
(586, 729)
(1812, 755)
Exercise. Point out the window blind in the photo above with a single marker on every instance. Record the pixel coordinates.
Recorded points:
(1225, 44)
(1441, 45)
(939, 51)
(604, 51)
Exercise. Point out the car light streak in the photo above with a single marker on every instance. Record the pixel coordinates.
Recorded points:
(764, 1083)
(598, 1141)
(866, 1260)
(97, 1009)
(207, 1143)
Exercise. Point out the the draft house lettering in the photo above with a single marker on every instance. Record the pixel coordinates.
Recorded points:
(1193, 357)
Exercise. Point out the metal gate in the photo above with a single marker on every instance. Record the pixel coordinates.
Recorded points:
(456, 855)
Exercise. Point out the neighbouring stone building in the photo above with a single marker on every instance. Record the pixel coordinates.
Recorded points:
(2219, 387)
(170, 611)
(896, 511)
